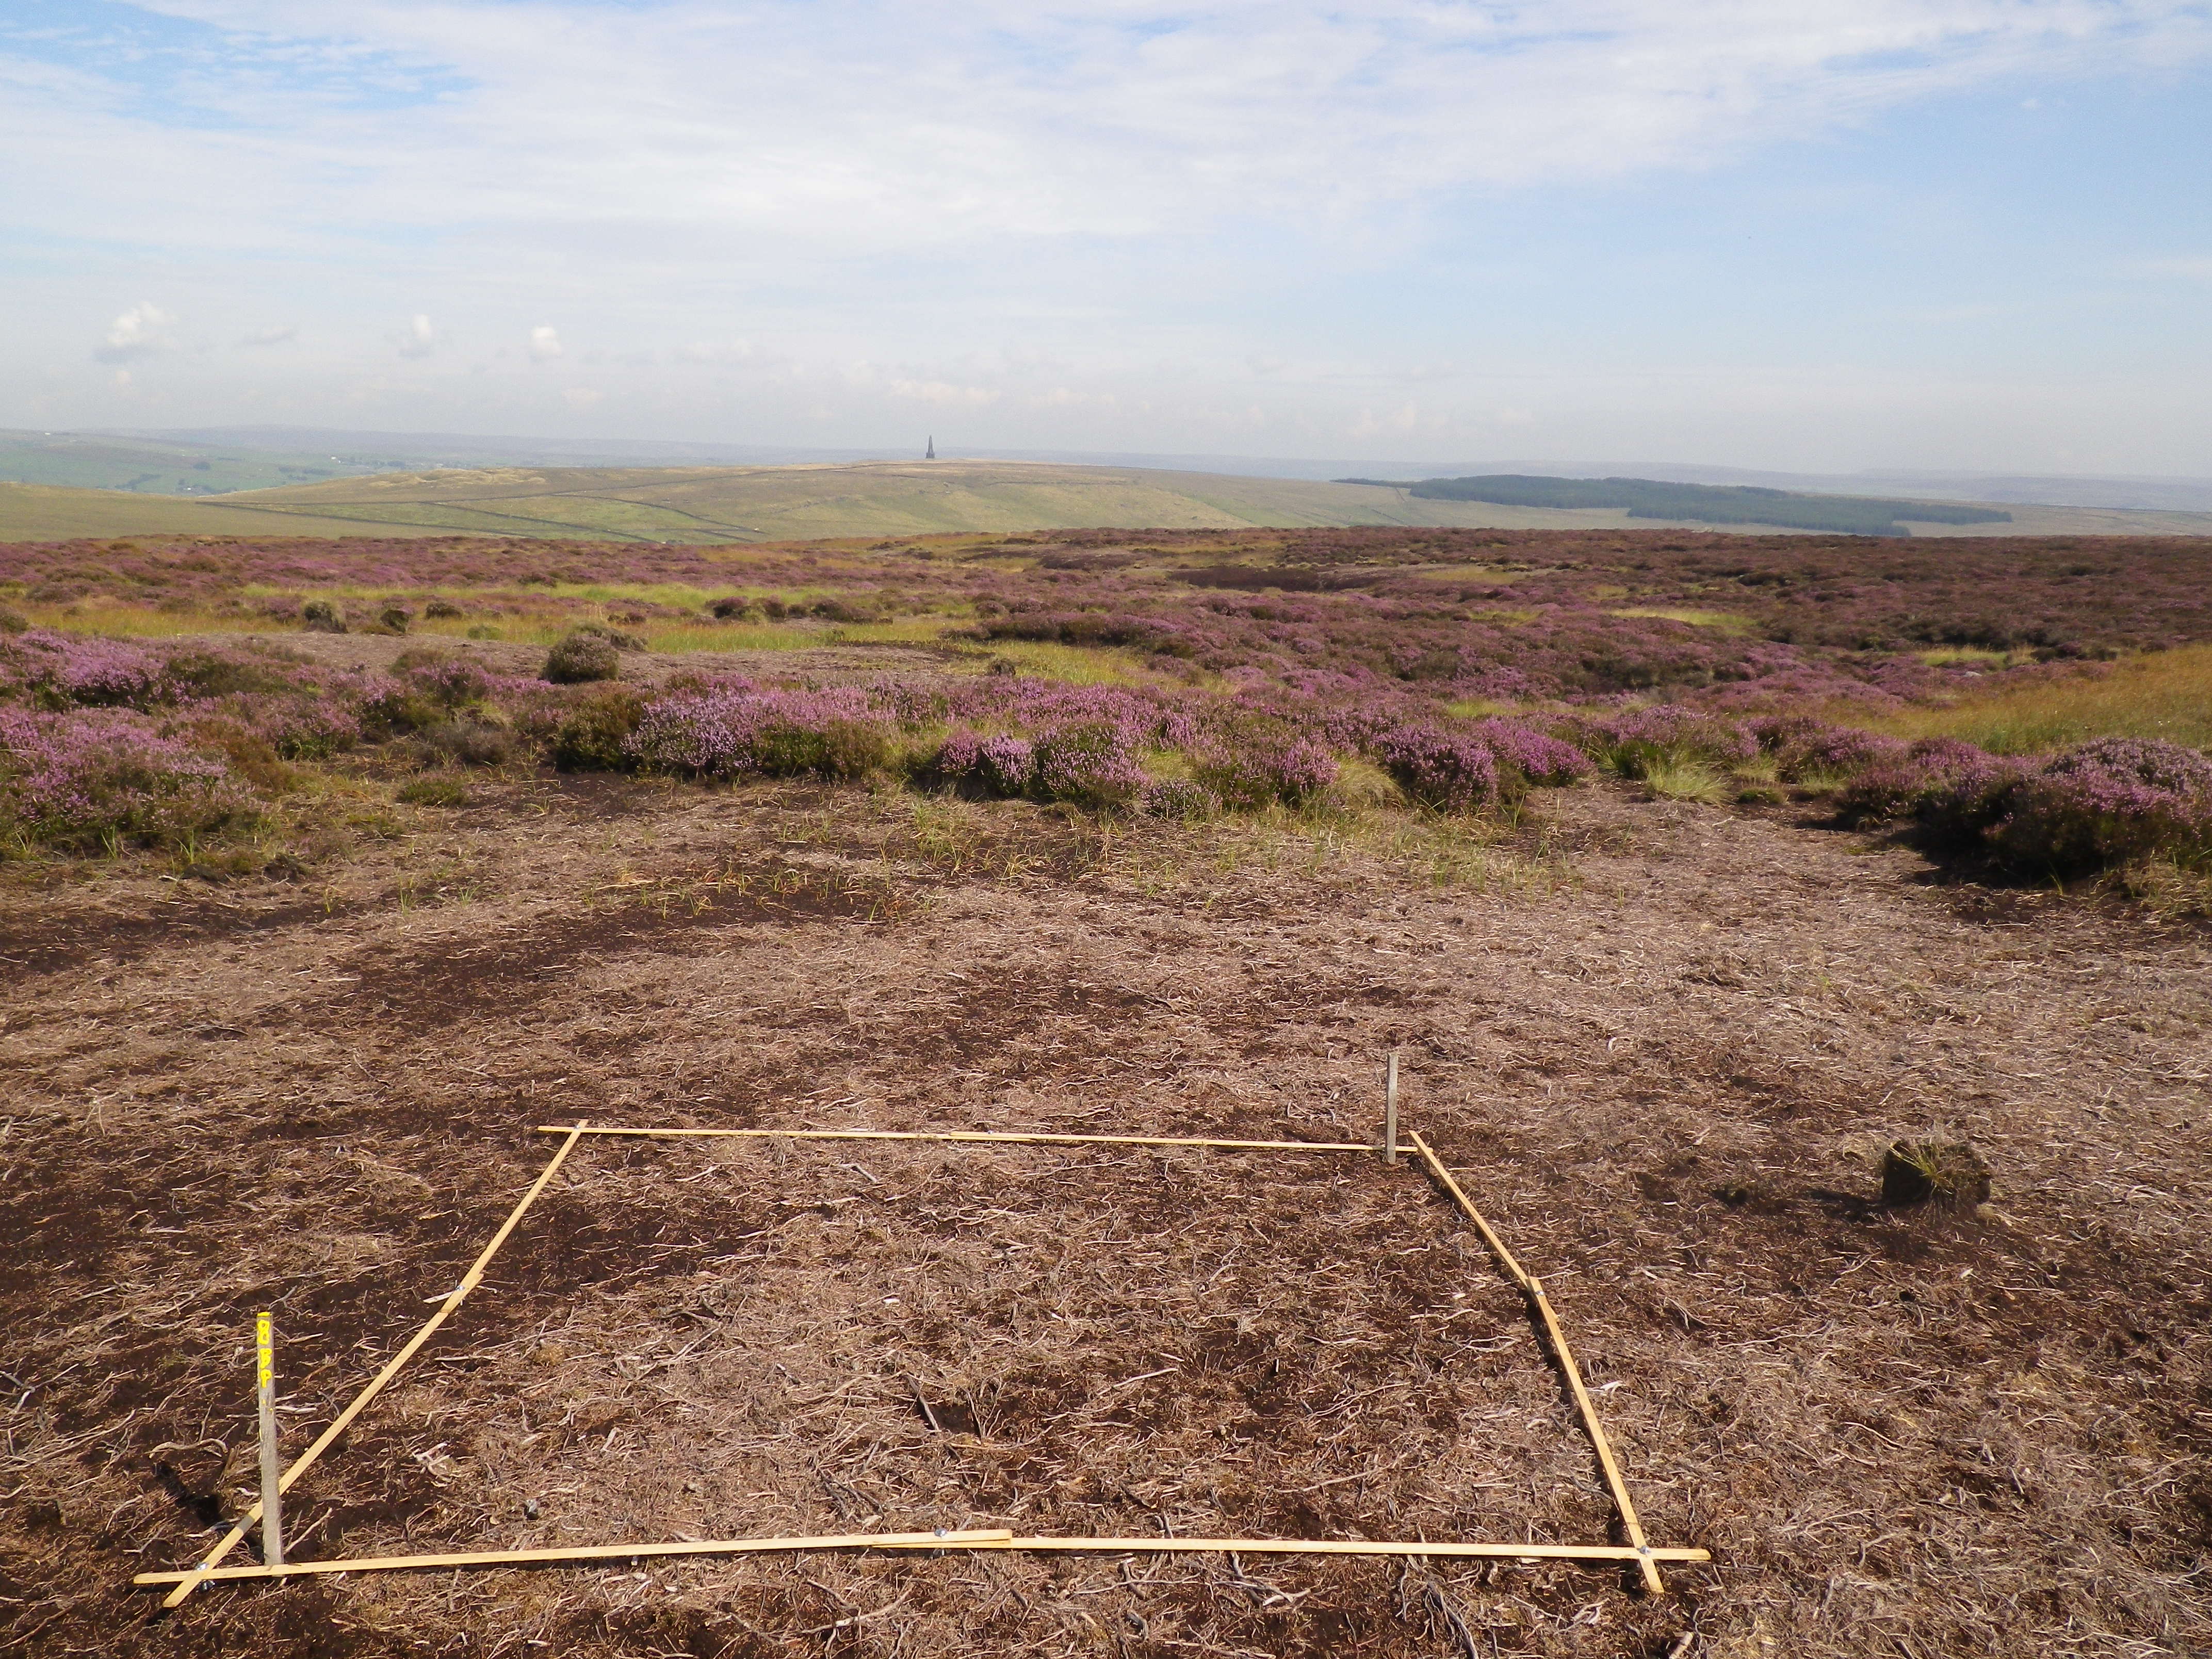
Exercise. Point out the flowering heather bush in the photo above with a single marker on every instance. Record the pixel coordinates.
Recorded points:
(1091, 763)
(308, 727)
(1539, 759)
(1250, 759)
(1807, 750)
(59, 671)
(1462, 766)
(1455, 770)
(1141, 718)
(1955, 789)
(999, 765)
(91, 777)
(1007, 764)
(736, 728)
(2109, 802)
(1637, 740)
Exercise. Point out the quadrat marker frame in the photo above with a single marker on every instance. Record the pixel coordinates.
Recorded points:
(1634, 1549)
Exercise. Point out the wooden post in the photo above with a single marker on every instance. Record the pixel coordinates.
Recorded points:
(272, 1469)
(1390, 1111)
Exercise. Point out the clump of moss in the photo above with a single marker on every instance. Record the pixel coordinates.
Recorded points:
(321, 616)
(12, 621)
(1949, 1175)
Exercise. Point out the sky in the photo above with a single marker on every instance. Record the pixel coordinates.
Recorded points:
(1818, 235)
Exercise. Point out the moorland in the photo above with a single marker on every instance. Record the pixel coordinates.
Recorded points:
(686, 505)
(1688, 872)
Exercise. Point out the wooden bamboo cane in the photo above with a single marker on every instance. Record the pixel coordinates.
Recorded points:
(1348, 1546)
(1497, 1245)
(980, 1539)
(192, 1580)
(1630, 1526)
(1010, 1137)
(593, 1553)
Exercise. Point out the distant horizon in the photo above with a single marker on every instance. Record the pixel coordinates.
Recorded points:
(2172, 492)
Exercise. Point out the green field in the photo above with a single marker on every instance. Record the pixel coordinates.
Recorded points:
(164, 467)
(704, 504)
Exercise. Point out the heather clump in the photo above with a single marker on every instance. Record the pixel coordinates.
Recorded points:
(2110, 802)
(307, 726)
(582, 655)
(62, 670)
(1538, 759)
(474, 736)
(94, 778)
(195, 673)
(1091, 763)
(389, 706)
(736, 728)
(1638, 741)
(1252, 760)
(1816, 754)
(1453, 771)
(995, 764)
(1460, 768)
(593, 735)
(449, 681)
(1953, 789)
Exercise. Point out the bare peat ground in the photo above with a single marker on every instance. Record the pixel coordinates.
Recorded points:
(1664, 1044)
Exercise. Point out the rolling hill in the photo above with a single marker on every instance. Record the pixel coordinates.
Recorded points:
(880, 498)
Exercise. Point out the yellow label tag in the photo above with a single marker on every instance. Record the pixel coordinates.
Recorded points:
(264, 1342)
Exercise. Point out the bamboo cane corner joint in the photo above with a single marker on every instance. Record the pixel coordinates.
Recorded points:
(1637, 1551)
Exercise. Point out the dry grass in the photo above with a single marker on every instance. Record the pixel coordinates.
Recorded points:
(1727, 622)
(2165, 694)
(1689, 780)
(1922, 1435)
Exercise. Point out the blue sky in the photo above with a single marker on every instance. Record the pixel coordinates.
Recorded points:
(1826, 235)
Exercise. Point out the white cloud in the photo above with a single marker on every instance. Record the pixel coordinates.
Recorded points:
(581, 127)
(1113, 226)
(580, 398)
(269, 337)
(138, 333)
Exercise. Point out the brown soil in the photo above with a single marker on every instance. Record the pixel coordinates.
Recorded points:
(1665, 1045)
